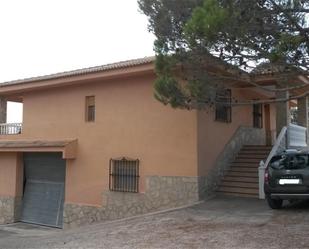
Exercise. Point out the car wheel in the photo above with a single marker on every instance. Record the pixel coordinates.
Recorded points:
(274, 203)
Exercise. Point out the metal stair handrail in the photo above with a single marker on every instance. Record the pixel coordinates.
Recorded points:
(263, 165)
(276, 146)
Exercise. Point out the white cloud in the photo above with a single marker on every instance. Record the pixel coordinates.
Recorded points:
(40, 37)
(46, 36)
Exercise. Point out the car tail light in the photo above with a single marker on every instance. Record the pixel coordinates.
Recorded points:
(266, 176)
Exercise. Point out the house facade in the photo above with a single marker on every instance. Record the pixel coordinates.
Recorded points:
(95, 145)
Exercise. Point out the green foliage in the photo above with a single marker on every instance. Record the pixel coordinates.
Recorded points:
(207, 21)
(167, 91)
(240, 33)
(165, 64)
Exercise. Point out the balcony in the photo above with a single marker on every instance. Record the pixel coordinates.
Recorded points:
(10, 128)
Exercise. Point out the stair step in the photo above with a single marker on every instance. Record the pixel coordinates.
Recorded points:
(251, 156)
(246, 165)
(252, 185)
(261, 150)
(243, 174)
(241, 179)
(238, 194)
(243, 169)
(257, 146)
(253, 152)
(239, 190)
(245, 160)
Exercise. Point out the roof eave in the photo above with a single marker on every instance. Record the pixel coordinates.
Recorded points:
(45, 83)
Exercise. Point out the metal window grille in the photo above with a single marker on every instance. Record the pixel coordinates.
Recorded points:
(124, 175)
(223, 106)
(257, 116)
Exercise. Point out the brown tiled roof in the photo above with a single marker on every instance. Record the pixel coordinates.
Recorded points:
(268, 69)
(33, 143)
(96, 69)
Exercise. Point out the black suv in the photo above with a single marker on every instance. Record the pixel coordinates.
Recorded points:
(287, 178)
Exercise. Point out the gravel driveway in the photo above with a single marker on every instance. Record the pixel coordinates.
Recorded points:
(222, 222)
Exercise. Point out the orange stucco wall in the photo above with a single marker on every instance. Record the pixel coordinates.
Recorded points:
(214, 135)
(129, 122)
(10, 174)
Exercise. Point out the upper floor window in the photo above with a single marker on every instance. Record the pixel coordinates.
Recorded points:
(223, 106)
(90, 109)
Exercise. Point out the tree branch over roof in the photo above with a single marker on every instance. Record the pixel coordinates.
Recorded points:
(222, 41)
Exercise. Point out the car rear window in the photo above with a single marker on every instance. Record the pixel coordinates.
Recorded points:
(299, 161)
(279, 162)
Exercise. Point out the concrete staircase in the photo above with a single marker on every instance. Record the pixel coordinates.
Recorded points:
(242, 177)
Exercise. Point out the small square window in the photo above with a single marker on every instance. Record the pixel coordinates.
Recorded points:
(90, 109)
(124, 175)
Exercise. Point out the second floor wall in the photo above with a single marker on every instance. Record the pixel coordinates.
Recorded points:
(129, 122)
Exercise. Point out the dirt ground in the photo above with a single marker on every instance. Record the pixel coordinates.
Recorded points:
(222, 222)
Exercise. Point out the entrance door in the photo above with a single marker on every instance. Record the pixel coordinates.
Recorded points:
(43, 189)
(267, 125)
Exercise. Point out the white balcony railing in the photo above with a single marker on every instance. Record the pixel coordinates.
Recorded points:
(10, 128)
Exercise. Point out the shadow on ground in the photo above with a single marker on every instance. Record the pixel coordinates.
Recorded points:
(222, 222)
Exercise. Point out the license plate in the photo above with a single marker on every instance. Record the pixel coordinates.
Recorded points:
(289, 181)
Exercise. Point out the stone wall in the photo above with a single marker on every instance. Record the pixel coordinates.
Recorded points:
(243, 136)
(7, 210)
(162, 192)
(17, 208)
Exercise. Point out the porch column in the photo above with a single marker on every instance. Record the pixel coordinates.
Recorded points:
(282, 111)
(3, 104)
(302, 112)
(11, 185)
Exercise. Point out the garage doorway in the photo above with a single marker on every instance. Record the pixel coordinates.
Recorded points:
(44, 185)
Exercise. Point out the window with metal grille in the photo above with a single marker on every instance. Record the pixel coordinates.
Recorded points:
(90, 109)
(124, 175)
(223, 106)
(258, 116)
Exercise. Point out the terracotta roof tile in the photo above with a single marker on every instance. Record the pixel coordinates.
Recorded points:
(96, 69)
(268, 68)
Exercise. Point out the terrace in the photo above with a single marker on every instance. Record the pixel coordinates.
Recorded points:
(10, 128)
(10, 117)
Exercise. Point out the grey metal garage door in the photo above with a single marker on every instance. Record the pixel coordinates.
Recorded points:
(44, 189)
